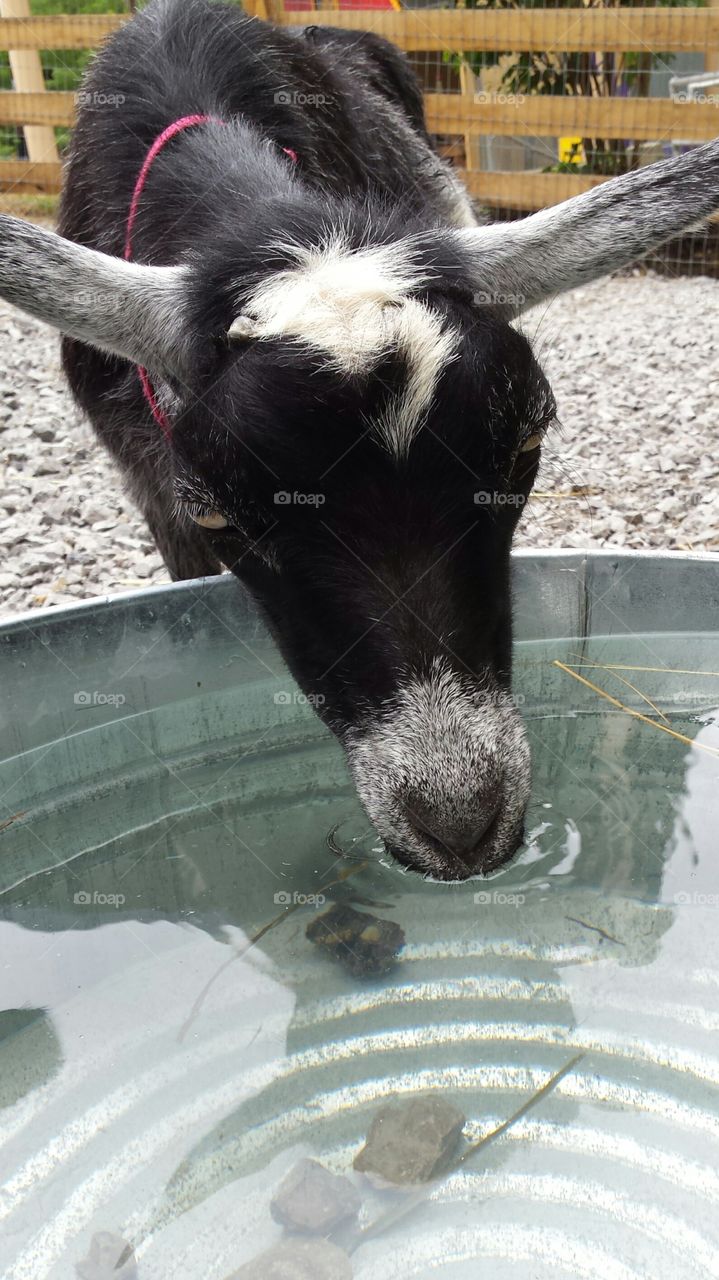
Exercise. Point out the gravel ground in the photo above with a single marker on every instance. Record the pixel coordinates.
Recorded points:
(634, 362)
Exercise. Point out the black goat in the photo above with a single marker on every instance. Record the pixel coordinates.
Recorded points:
(349, 422)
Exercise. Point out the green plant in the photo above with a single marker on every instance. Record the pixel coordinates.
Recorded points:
(575, 74)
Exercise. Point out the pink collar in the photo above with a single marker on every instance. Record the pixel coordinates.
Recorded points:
(187, 122)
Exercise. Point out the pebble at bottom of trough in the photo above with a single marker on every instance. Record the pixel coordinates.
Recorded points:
(411, 1140)
(298, 1260)
(313, 1200)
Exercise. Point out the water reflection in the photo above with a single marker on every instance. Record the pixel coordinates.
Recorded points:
(29, 1052)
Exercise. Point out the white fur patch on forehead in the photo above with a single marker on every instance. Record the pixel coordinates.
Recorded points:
(355, 306)
(428, 346)
(338, 300)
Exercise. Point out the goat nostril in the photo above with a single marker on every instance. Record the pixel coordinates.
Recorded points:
(481, 831)
(456, 836)
(421, 817)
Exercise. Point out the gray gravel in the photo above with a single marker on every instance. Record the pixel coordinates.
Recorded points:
(66, 526)
(634, 362)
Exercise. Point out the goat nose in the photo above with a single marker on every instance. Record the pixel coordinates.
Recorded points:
(458, 835)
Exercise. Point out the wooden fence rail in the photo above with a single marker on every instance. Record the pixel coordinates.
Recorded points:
(466, 114)
(580, 29)
(84, 31)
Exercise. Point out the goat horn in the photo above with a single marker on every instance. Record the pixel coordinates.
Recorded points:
(125, 308)
(516, 265)
(243, 329)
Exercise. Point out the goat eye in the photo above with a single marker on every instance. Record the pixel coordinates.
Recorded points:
(209, 519)
(531, 443)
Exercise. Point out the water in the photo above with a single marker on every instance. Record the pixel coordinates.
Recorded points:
(149, 1087)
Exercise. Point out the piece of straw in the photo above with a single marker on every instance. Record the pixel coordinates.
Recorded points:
(638, 715)
(644, 697)
(238, 954)
(626, 666)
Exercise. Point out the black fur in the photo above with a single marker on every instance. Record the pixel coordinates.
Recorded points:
(399, 564)
(220, 192)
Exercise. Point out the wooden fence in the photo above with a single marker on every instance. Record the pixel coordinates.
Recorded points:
(466, 114)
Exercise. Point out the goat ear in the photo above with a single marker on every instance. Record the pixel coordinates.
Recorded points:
(516, 265)
(123, 308)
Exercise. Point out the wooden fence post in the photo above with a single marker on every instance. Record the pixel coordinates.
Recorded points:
(27, 75)
(472, 145)
(711, 59)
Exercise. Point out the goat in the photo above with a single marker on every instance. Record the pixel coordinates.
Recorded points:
(350, 422)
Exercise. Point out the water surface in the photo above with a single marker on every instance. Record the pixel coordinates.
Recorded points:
(149, 1087)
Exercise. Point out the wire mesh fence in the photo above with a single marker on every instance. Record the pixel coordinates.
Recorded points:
(531, 101)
